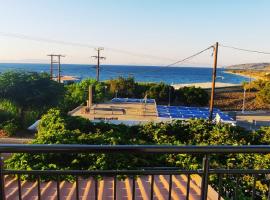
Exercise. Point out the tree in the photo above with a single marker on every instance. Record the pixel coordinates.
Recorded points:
(192, 96)
(160, 92)
(30, 90)
(264, 94)
(124, 87)
(77, 93)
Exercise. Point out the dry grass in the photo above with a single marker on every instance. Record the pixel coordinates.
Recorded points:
(257, 74)
(234, 101)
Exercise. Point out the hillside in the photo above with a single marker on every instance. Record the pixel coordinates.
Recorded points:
(253, 70)
(253, 66)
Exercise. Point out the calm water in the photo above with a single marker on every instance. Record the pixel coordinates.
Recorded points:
(141, 73)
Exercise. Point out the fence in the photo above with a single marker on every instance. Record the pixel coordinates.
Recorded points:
(204, 172)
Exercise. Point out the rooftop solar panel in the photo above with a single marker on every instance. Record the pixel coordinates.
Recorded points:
(183, 112)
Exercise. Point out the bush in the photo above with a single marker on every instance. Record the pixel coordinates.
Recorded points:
(160, 92)
(192, 96)
(10, 127)
(264, 94)
(123, 87)
(77, 94)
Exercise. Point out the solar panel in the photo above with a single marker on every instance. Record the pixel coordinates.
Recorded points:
(183, 112)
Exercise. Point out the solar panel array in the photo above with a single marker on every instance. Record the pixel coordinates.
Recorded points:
(132, 100)
(183, 112)
(178, 112)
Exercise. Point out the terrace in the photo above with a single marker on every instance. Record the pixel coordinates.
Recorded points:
(144, 183)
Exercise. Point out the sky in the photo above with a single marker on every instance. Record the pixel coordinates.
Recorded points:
(139, 32)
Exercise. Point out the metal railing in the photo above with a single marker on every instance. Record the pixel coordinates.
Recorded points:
(204, 172)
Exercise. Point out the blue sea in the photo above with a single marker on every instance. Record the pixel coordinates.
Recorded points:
(169, 75)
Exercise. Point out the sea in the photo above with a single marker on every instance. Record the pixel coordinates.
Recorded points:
(169, 75)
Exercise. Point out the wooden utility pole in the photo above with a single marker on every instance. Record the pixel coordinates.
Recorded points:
(90, 96)
(58, 62)
(98, 57)
(214, 74)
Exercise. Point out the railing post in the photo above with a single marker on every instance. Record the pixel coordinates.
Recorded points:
(204, 184)
(2, 179)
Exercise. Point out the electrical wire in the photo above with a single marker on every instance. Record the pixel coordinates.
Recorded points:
(180, 61)
(246, 50)
(166, 66)
(39, 39)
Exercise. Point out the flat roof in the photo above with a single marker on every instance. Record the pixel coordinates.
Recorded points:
(143, 110)
(118, 111)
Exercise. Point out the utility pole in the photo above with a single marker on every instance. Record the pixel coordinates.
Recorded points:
(214, 74)
(244, 100)
(169, 104)
(98, 57)
(58, 62)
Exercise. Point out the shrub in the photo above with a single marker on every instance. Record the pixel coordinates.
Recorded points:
(192, 96)
(160, 92)
(77, 94)
(10, 127)
(264, 94)
(124, 87)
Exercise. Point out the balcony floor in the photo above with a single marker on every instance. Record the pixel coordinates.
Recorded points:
(105, 188)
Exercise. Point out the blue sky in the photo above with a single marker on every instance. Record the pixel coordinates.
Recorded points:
(169, 30)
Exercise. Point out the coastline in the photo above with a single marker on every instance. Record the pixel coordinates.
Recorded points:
(255, 75)
(205, 85)
(240, 74)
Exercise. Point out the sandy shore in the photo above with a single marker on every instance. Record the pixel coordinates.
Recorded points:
(244, 75)
(205, 85)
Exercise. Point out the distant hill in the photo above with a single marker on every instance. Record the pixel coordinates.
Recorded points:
(254, 66)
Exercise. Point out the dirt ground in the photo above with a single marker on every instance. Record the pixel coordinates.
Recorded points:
(234, 101)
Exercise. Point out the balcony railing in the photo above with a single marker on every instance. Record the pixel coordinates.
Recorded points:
(204, 172)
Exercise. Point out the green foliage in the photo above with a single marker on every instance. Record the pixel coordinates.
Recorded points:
(29, 91)
(57, 128)
(77, 94)
(124, 87)
(192, 96)
(160, 92)
(8, 117)
(264, 93)
(262, 87)
(127, 87)
(10, 127)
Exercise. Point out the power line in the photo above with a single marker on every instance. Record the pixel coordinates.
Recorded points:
(246, 50)
(40, 39)
(181, 61)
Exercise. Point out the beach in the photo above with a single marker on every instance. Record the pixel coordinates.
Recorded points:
(205, 85)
